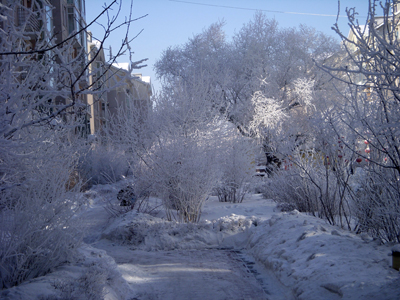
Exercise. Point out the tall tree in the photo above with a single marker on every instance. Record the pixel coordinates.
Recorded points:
(261, 58)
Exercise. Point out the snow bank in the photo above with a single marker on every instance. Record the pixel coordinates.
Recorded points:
(93, 276)
(146, 232)
(319, 261)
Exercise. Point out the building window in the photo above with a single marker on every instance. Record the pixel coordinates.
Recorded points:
(49, 19)
(76, 24)
(71, 20)
(77, 3)
(103, 106)
(65, 16)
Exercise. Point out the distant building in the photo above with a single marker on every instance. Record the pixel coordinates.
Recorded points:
(114, 88)
(132, 90)
(386, 27)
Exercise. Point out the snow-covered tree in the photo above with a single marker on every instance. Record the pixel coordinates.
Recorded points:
(262, 59)
(175, 150)
(370, 114)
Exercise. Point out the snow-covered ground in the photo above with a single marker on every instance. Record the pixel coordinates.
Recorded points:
(248, 250)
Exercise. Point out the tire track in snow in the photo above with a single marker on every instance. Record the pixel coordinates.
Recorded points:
(272, 287)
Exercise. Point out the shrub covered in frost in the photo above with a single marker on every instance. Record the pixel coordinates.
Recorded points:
(37, 232)
(103, 165)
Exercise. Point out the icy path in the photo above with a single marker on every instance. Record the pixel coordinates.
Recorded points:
(186, 274)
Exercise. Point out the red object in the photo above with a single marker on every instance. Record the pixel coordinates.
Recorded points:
(359, 160)
(367, 150)
(340, 156)
(366, 142)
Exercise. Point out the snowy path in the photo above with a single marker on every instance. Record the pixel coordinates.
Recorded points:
(186, 274)
(194, 274)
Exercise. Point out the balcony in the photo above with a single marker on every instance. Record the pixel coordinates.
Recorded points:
(29, 20)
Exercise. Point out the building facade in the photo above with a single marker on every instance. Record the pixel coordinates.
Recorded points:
(99, 89)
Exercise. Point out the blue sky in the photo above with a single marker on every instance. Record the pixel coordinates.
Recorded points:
(172, 22)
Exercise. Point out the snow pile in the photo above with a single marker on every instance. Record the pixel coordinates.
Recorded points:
(145, 232)
(319, 261)
(252, 205)
(94, 276)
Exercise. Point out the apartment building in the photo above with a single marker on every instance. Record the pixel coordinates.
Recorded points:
(114, 88)
(105, 87)
(69, 20)
(130, 90)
